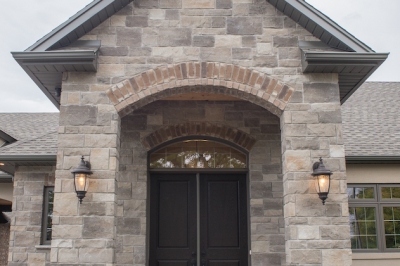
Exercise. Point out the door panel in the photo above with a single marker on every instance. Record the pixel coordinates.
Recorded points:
(223, 214)
(223, 220)
(172, 219)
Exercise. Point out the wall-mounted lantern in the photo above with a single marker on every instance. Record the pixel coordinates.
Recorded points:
(323, 180)
(81, 178)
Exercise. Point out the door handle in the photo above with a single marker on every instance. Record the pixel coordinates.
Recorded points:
(203, 262)
(193, 262)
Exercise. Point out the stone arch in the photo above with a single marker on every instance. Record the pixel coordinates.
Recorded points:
(211, 77)
(171, 132)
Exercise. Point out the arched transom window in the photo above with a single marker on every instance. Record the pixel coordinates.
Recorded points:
(198, 154)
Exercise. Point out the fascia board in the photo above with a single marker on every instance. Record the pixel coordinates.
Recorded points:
(58, 57)
(68, 26)
(329, 25)
(373, 159)
(341, 58)
(28, 158)
(344, 57)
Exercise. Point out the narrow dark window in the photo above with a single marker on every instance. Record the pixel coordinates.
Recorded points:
(47, 220)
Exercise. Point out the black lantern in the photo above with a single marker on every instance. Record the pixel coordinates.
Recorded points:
(323, 180)
(81, 178)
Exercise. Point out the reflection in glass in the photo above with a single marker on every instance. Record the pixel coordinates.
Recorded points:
(390, 192)
(361, 193)
(363, 228)
(197, 154)
(50, 195)
(391, 216)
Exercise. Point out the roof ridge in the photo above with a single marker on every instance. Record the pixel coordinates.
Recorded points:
(17, 143)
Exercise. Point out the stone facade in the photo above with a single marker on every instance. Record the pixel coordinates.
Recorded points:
(110, 117)
(4, 243)
(266, 202)
(26, 218)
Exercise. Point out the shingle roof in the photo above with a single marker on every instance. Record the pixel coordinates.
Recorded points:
(371, 120)
(36, 133)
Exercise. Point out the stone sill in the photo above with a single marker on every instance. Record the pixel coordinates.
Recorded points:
(43, 247)
(376, 256)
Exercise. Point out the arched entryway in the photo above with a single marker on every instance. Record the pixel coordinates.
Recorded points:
(198, 204)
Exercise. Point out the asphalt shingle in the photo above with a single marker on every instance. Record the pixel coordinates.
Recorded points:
(371, 120)
(36, 133)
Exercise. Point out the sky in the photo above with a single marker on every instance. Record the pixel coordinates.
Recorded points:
(24, 22)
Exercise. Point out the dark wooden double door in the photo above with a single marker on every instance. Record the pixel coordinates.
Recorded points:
(198, 220)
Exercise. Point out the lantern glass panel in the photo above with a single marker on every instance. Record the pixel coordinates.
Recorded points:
(81, 182)
(322, 184)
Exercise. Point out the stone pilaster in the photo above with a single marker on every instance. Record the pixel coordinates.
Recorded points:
(311, 126)
(83, 234)
(26, 216)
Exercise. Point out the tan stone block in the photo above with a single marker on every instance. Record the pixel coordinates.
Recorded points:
(322, 130)
(92, 255)
(67, 231)
(111, 70)
(67, 255)
(157, 14)
(198, 3)
(259, 247)
(101, 141)
(228, 41)
(307, 232)
(305, 257)
(297, 161)
(336, 151)
(336, 257)
(65, 204)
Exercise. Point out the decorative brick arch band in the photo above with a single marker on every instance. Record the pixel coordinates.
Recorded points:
(211, 77)
(236, 136)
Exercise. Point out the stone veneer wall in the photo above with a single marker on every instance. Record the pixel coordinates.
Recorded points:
(4, 243)
(148, 34)
(26, 216)
(266, 212)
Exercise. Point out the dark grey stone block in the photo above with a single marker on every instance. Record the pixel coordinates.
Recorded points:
(78, 115)
(203, 41)
(114, 51)
(244, 26)
(131, 37)
(321, 92)
(224, 4)
(285, 41)
(241, 53)
(137, 21)
(175, 37)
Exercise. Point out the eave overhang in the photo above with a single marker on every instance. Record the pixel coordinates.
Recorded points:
(352, 68)
(6, 137)
(80, 24)
(11, 161)
(373, 159)
(46, 68)
(5, 178)
(320, 25)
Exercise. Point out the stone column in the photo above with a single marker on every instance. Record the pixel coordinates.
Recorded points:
(311, 126)
(83, 234)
